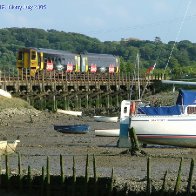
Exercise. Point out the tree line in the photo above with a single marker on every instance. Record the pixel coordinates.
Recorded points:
(181, 63)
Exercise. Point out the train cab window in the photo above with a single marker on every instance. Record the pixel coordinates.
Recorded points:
(33, 55)
(125, 110)
(20, 55)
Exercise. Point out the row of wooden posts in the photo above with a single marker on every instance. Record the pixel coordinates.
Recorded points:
(48, 184)
(67, 103)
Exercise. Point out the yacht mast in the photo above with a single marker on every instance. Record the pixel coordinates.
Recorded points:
(138, 75)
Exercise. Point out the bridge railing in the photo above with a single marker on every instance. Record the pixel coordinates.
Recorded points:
(12, 74)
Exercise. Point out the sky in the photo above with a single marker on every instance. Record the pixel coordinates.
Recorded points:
(106, 20)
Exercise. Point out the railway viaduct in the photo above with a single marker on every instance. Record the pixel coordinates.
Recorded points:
(74, 90)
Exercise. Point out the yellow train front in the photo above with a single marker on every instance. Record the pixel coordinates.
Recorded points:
(33, 61)
(29, 62)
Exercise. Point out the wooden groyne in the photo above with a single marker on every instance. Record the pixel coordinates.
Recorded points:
(49, 184)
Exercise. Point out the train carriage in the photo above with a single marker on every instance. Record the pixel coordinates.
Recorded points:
(62, 60)
(34, 61)
(102, 63)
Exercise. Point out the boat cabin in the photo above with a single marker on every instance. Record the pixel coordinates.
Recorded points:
(185, 104)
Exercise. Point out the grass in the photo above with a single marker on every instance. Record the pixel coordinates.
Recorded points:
(13, 103)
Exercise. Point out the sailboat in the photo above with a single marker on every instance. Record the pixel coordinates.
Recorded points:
(164, 125)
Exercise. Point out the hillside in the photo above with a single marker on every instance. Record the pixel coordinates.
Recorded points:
(182, 62)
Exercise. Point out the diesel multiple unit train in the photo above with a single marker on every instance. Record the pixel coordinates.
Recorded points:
(33, 61)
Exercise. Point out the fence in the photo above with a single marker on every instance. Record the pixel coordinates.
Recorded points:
(49, 184)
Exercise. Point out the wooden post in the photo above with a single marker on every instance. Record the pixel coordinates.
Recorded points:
(28, 100)
(79, 103)
(148, 190)
(62, 174)
(189, 185)
(97, 101)
(43, 181)
(135, 139)
(134, 142)
(29, 179)
(111, 183)
(61, 170)
(0, 172)
(54, 103)
(7, 170)
(108, 101)
(87, 101)
(48, 176)
(65, 103)
(86, 176)
(74, 177)
(164, 183)
(86, 170)
(41, 103)
(76, 102)
(178, 180)
(19, 172)
(117, 101)
(95, 175)
(94, 169)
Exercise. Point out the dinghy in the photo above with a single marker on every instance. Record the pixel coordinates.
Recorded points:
(5, 93)
(82, 128)
(70, 112)
(106, 118)
(107, 132)
(8, 147)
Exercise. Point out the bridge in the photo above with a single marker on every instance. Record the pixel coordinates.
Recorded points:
(77, 90)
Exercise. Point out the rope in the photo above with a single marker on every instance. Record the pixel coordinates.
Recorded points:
(177, 36)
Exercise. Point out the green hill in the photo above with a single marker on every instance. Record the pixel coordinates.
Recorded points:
(181, 64)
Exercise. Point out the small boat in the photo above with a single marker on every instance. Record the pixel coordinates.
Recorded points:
(82, 128)
(106, 118)
(5, 93)
(8, 147)
(107, 132)
(163, 125)
(70, 112)
(3, 145)
(11, 146)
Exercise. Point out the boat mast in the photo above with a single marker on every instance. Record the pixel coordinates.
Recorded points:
(138, 75)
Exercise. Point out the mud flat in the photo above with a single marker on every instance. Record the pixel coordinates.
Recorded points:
(38, 139)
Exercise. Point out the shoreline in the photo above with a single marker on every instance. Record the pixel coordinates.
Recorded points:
(38, 139)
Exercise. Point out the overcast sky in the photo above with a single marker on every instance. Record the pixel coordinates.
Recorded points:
(106, 20)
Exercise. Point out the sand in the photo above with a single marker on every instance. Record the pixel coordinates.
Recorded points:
(38, 139)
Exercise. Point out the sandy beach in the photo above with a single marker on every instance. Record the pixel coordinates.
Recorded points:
(38, 139)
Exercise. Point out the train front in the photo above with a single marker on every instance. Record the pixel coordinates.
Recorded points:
(29, 62)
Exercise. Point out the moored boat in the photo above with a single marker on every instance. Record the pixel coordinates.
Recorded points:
(11, 146)
(8, 147)
(5, 93)
(107, 132)
(106, 118)
(81, 128)
(164, 125)
(70, 112)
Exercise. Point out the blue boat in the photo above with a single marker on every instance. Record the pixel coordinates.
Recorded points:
(82, 128)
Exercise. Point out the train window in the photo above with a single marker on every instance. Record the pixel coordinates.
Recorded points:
(20, 55)
(33, 55)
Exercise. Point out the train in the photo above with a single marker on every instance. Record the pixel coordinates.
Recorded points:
(34, 61)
